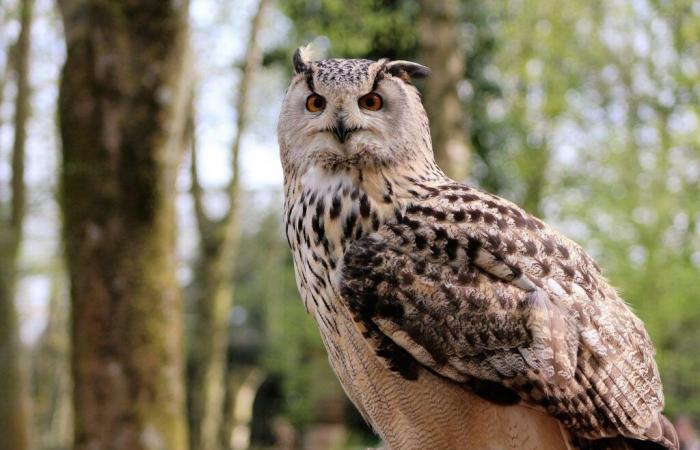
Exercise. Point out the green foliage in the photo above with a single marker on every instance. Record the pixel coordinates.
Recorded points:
(364, 29)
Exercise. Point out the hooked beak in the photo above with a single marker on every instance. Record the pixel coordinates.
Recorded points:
(340, 130)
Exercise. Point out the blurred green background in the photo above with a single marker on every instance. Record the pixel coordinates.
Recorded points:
(587, 113)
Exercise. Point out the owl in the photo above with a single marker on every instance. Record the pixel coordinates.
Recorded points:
(452, 318)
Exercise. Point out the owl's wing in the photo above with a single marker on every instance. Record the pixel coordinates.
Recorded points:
(479, 291)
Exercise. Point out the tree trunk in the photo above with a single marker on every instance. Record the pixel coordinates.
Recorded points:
(242, 389)
(440, 49)
(123, 103)
(14, 394)
(213, 279)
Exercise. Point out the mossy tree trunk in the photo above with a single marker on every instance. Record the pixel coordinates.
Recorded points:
(14, 393)
(213, 285)
(123, 105)
(439, 42)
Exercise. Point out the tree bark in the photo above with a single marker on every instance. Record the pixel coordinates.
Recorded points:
(123, 103)
(14, 394)
(440, 49)
(213, 278)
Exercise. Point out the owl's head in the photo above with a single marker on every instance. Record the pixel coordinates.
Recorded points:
(340, 114)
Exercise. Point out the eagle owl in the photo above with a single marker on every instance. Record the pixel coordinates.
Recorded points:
(452, 318)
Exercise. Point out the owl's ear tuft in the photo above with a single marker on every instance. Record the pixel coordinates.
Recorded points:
(301, 59)
(407, 70)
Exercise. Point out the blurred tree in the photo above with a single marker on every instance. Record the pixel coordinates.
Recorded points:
(212, 285)
(123, 107)
(15, 417)
(440, 43)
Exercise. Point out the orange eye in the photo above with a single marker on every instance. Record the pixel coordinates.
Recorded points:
(315, 103)
(371, 101)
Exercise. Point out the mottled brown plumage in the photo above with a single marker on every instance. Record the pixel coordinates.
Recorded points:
(423, 285)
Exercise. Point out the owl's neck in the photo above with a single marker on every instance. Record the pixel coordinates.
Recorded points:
(386, 184)
(337, 207)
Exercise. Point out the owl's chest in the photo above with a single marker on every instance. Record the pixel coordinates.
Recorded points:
(323, 216)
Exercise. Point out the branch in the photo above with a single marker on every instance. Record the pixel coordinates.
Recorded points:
(4, 78)
(21, 117)
(252, 62)
(204, 224)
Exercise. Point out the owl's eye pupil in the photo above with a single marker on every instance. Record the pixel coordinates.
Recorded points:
(369, 102)
(318, 103)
